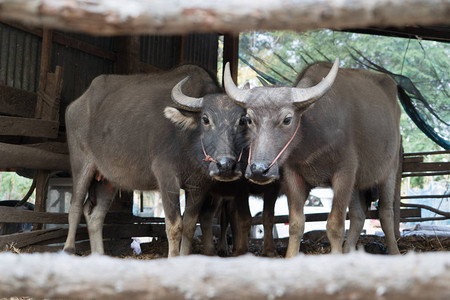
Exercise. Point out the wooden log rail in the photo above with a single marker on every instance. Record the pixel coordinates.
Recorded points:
(111, 17)
(352, 276)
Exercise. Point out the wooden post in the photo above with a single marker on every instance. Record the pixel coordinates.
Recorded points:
(128, 48)
(42, 177)
(46, 58)
(231, 54)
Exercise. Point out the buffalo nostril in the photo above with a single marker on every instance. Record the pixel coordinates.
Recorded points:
(226, 164)
(259, 168)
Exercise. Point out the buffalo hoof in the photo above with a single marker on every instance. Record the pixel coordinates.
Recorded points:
(69, 250)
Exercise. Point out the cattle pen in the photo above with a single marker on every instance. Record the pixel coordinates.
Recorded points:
(50, 53)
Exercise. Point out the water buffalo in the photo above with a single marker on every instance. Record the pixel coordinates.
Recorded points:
(231, 115)
(121, 130)
(338, 129)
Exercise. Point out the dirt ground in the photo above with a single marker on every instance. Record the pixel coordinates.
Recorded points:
(314, 242)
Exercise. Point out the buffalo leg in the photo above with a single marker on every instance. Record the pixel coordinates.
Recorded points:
(244, 223)
(82, 175)
(296, 191)
(342, 182)
(209, 209)
(357, 214)
(222, 245)
(386, 211)
(194, 202)
(270, 198)
(95, 215)
(170, 196)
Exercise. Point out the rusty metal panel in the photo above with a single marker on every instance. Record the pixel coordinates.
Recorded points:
(19, 58)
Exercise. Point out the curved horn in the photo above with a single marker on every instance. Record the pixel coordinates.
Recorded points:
(306, 96)
(235, 93)
(185, 102)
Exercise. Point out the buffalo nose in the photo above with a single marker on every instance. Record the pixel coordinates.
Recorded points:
(226, 164)
(259, 169)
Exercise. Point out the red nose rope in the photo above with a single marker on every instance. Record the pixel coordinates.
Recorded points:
(209, 158)
(282, 150)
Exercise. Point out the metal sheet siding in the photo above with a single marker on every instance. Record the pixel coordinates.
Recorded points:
(20, 54)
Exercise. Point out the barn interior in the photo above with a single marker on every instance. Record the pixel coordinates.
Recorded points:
(50, 52)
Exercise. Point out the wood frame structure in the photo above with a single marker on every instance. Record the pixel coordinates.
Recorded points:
(109, 17)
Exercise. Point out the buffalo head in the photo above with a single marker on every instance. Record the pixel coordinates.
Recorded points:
(222, 130)
(274, 120)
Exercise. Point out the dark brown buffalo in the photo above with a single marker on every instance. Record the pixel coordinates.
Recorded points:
(342, 131)
(122, 130)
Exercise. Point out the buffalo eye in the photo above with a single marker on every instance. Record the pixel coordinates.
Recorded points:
(205, 120)
(249, 121)
(287, 120)
(243, 121)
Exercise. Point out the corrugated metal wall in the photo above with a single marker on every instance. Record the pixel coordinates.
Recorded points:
(79, 68)
(20, 56)
(201, 49)
(164, 52)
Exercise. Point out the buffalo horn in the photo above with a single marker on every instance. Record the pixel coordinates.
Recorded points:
(306, 96)
(185, 102)
(235, 93)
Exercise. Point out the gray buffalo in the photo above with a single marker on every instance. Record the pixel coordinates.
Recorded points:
(126, 131)
(337, 128)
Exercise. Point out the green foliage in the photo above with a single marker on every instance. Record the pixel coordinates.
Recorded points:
(424, 62)
(14, 187)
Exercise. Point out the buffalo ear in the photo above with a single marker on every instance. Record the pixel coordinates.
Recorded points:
(184, 120)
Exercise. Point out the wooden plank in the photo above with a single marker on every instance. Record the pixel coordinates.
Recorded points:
(320, 217)
(352, 276)
(423, 174)
(58, 235)
(413, 159)
(12, 215)
(109, 17)
(426, 153)
(425, 167)
(16, 102)
(426, 196)
(55, 147)
(28, 127)
(18, 156)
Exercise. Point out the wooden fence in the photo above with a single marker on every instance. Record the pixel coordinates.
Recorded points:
(125, 225)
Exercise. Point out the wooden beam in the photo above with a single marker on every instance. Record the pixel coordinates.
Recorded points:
(65, 40)
(13, 215)
(426, 166)
(351, 276)
(111, 17)
(319, 217)
(46, 59)
(17, 156)
(28, 127)
(128, 48)
(41, 177)
(58, 235)
(17, 102)
(231, 55)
